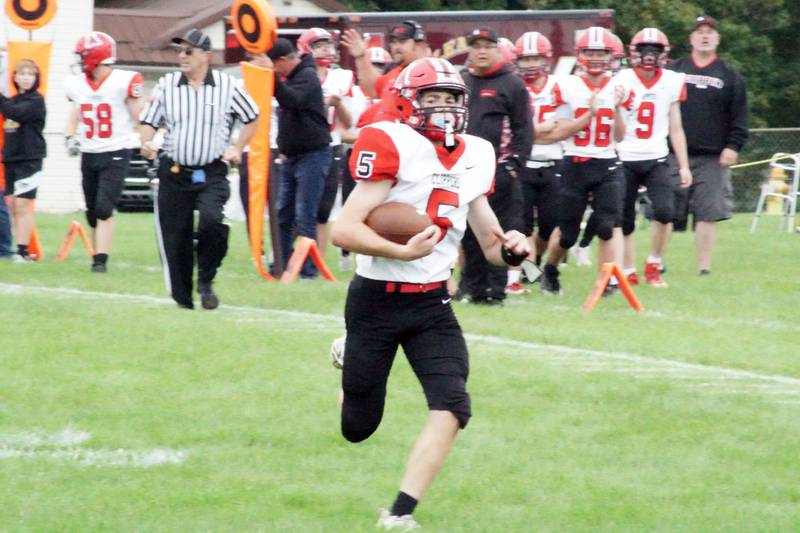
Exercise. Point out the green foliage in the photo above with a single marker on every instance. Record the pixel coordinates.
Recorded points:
(759, 38)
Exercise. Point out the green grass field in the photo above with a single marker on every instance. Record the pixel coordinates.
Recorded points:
(120, 412)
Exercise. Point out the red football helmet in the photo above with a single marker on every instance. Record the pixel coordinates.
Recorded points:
(439, 123)
(506, 48)
(306, 41)
(378, 55)
(649, 49)
(534, 44)
(618, 53)
(595, 38)
(95, 48)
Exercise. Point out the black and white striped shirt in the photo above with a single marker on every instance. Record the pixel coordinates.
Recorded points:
(198, 122)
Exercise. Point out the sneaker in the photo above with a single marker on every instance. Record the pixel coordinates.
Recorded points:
(652, 275)
(582, 258)
(705, 272)
(346, 263)
(337, 352)
(662, 268)
(18, 258)
(208, 299)
(516, 288)
(99, 268)
(550, 283)
(610, 290)
(633, 278)
(392, 522)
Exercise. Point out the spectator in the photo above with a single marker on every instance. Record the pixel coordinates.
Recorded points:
(23, 150)
(715, 121)
(499, 111)
(304, 140)
(193, 168)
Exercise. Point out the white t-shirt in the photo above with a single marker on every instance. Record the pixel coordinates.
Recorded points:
(431, 179)
(105, 124)
(544, 103)
(647, 122)
(597, 139)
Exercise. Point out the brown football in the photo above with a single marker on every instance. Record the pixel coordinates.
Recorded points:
(397, 222)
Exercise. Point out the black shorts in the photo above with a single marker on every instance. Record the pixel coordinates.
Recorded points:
(540, 199)
(23, 178)
(656, 176)
(104, 177)
(331, 184)
(424, 324)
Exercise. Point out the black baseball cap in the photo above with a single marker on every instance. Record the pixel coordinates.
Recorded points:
(705, 19)
(282, 47)
(196, 38)
(482, 33)
(408, 29)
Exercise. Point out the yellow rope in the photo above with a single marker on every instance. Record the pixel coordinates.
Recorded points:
(770, 160)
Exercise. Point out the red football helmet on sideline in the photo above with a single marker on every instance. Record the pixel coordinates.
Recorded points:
(649, 49)
(306, 42)
(506, 48)
(534, 44)
(595, 38)
(96, 48)
(378, 56)
(438, 123)
(618, 53)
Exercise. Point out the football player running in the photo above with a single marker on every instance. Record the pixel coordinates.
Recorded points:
(591, 168)
(101, 126)
(654, 114)
(398, 296)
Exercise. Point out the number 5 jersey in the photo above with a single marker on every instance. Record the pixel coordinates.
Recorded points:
(105, 124)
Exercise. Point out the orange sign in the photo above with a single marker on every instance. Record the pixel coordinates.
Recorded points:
(31, 14)
(254, 24)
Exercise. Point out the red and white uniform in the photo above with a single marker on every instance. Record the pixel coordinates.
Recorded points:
(597, 139)
(339, 82)
(544, 103)
(647, 125)
(105, 122)
(430, 178)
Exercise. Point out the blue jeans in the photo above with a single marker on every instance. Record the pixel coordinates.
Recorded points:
(301, 185)
(5, 229)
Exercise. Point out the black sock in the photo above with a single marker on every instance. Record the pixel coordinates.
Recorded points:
(100, 259)
(538, 260)
(22, 249)
(404, 504)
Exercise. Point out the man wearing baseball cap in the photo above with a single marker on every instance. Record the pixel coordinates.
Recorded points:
(715, 121)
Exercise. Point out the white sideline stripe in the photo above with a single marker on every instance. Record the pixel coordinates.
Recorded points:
(119, 457)
(723, 372)
(67, 437)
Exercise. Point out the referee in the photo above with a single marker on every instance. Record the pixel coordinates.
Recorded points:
(197, 107)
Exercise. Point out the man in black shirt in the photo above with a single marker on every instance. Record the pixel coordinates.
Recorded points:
(715, 121)
(499, 111)
(303, 140)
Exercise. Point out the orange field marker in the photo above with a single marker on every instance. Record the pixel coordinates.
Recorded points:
(606, 271)
(303, 248)
(35, 246)
(74, 230)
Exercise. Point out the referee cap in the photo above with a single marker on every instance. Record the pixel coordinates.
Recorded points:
(196, 38)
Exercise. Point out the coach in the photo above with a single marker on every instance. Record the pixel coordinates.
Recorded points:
(197, 107)
(715, 121)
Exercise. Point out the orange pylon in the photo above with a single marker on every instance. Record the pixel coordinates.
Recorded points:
(303, 248)
(35, 246)
(75, 228)
(606, 271)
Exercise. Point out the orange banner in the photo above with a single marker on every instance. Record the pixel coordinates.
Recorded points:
(259, 83)
(38, 52)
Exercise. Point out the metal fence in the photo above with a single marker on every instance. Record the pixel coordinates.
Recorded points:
(762, 144)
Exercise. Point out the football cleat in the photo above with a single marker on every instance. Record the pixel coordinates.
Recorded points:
(337, 352)
(390, 522)
(633, 278)
(516, 288)
(549, 281)
(652, 275)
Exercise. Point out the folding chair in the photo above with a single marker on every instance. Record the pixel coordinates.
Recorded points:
(791, 163)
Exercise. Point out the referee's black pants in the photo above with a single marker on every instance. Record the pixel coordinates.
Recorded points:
(178, 198)
(481, 280)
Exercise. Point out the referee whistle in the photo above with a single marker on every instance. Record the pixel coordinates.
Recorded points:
(175, 168)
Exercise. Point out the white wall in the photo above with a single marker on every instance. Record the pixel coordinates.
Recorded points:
(61, 188)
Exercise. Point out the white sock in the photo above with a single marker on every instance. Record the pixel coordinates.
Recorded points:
(513, 276)
(653, 259)
(613, 281)
(629, 271)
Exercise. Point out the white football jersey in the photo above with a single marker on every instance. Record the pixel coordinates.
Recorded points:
(339, 82)
(544, 103)
(428, 177)
(647, 123)
(597, 139)
(105, 124)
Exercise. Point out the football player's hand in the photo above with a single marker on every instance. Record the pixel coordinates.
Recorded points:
(686, 177)
(619, 94)
(593, 103)
(354, 43)
(513, 241)
(334, 100)
(422, 243)
(149, 150)
(728, 157)
(73, 146)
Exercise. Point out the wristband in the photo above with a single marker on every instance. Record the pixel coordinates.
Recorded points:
(510, 258)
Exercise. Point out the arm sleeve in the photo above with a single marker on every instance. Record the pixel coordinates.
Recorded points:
(153, 112)
(297, 95)
(738, 133)
(242, 105)
(375, 156)
(135, 86)
(22, 110)
(521, 123)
